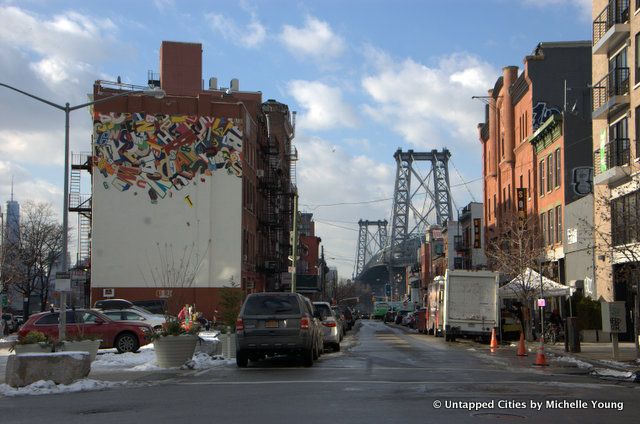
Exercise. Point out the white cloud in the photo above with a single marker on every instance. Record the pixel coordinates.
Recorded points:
(327, 175)
(430, 106)
(316, 40)
(27, 187)
(323, 106)
(35, 147)
(250, 36)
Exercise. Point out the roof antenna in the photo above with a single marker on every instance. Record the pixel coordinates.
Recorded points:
(12, 188)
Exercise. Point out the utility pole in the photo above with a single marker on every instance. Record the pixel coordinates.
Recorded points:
(323, 280)
(294, 244)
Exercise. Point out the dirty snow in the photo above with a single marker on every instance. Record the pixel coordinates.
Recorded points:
(124, 361)
(202, 361)
(606, 372)
(49, 387)
(616, 363)
(571, 360)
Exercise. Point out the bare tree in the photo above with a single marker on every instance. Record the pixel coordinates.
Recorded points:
(616, 233)
(517, 249)
(175, 271)
(30, 261)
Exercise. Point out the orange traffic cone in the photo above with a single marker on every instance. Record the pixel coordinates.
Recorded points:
(541, 361)
(494, 341)
(522, 349)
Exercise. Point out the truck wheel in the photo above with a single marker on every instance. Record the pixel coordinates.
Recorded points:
(242, 359)
(307, 357)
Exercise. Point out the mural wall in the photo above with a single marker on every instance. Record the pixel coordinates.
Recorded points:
(165, 186)
(159, 155)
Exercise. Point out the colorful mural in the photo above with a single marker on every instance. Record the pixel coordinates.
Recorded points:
(160, 154)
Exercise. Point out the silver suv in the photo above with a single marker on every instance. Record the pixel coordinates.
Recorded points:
(277, 323)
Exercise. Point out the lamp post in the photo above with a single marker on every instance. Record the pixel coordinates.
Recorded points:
(67, 109)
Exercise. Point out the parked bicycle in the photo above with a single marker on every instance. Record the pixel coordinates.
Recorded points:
(553, 333)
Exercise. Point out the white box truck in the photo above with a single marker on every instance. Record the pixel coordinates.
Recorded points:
(470, 304)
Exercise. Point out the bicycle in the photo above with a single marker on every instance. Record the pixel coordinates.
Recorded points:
(553, 333)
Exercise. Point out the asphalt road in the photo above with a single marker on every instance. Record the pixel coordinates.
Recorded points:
(385, 374)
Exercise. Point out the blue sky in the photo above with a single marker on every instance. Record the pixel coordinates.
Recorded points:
(365, 76)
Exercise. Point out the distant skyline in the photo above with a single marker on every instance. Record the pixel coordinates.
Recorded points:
(365, 77)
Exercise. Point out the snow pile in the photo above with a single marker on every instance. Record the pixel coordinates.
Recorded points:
(9, 339)
(571, 360)
(616, 363)
(203, 361)
(209, 335)
(124, 361)
(606, 372)
(49, 387)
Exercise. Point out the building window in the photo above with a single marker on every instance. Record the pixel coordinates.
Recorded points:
(521, 182)
(558, 224)
(529, 184)
(637, 59)
(541, 176)
(502, 146)
(625, 219)
(550, 224)
(543, 225)
(509, 197)
(504, 199)
(558, 162)
(638, 130)
(495, 213)
(549, 172)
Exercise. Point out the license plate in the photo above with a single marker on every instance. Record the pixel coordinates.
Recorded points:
(271, 324)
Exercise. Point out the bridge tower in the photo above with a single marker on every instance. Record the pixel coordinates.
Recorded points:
(369, 242)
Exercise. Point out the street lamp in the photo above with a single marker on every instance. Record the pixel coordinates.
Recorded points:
(151, 91)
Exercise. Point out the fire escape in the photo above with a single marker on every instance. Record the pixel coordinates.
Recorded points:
(81, 204)
(277, 186)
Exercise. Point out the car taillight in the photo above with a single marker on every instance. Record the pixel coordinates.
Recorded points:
(329, 324)
(304, 323)
(239, 324)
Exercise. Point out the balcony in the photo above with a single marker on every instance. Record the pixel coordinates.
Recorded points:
(610, 92)
(611, 26)
(612, 165)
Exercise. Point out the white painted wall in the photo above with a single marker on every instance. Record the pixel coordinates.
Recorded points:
(130, 233)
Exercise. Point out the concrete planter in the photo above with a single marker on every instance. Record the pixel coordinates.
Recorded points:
(32, 348)
(174, 351)
(90, 346)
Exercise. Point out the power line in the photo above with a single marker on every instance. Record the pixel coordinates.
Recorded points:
(334, 225)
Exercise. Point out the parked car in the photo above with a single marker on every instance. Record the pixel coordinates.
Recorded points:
(341, 321)
(137, 314)
(330, 326)
(409, 320)
(10, 323)
(105, 304)
(348, 315)
(124, 336)
(319, 334)
(156, 306)
(276, 323)
(400, 316)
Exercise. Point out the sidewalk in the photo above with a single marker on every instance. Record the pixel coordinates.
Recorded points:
(600, 354)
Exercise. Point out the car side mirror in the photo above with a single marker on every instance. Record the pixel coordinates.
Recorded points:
(99, 321)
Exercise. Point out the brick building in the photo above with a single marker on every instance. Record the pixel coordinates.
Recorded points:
(191, 193)
(537, 127)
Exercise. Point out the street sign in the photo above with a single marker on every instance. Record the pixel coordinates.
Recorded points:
(63, 281)
(542, 303)
(614, 317)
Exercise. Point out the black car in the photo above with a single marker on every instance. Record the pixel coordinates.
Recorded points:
(113, 304)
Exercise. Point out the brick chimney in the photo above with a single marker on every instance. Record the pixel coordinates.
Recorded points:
(181, 68)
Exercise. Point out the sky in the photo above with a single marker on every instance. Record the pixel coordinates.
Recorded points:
(366, 77)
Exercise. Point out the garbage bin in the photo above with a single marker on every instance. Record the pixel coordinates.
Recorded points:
(571, 335)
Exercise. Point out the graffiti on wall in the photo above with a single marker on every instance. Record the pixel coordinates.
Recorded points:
(582, 180)
(541, 113)
(162, 154)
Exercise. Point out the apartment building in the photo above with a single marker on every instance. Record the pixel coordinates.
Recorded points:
(469, 245)
(535, 141)
(191, 193)
(616, 117)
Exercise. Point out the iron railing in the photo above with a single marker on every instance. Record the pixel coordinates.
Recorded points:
(615, 83)
(616, 153)
(616, 12)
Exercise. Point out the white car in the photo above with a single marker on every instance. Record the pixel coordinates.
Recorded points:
(136, 314)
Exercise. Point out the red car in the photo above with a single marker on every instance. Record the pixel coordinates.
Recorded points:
(126, 336)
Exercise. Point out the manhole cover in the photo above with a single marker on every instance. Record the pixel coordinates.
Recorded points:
(497, 415)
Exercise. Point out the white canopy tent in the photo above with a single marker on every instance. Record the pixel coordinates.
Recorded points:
(529, 280)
